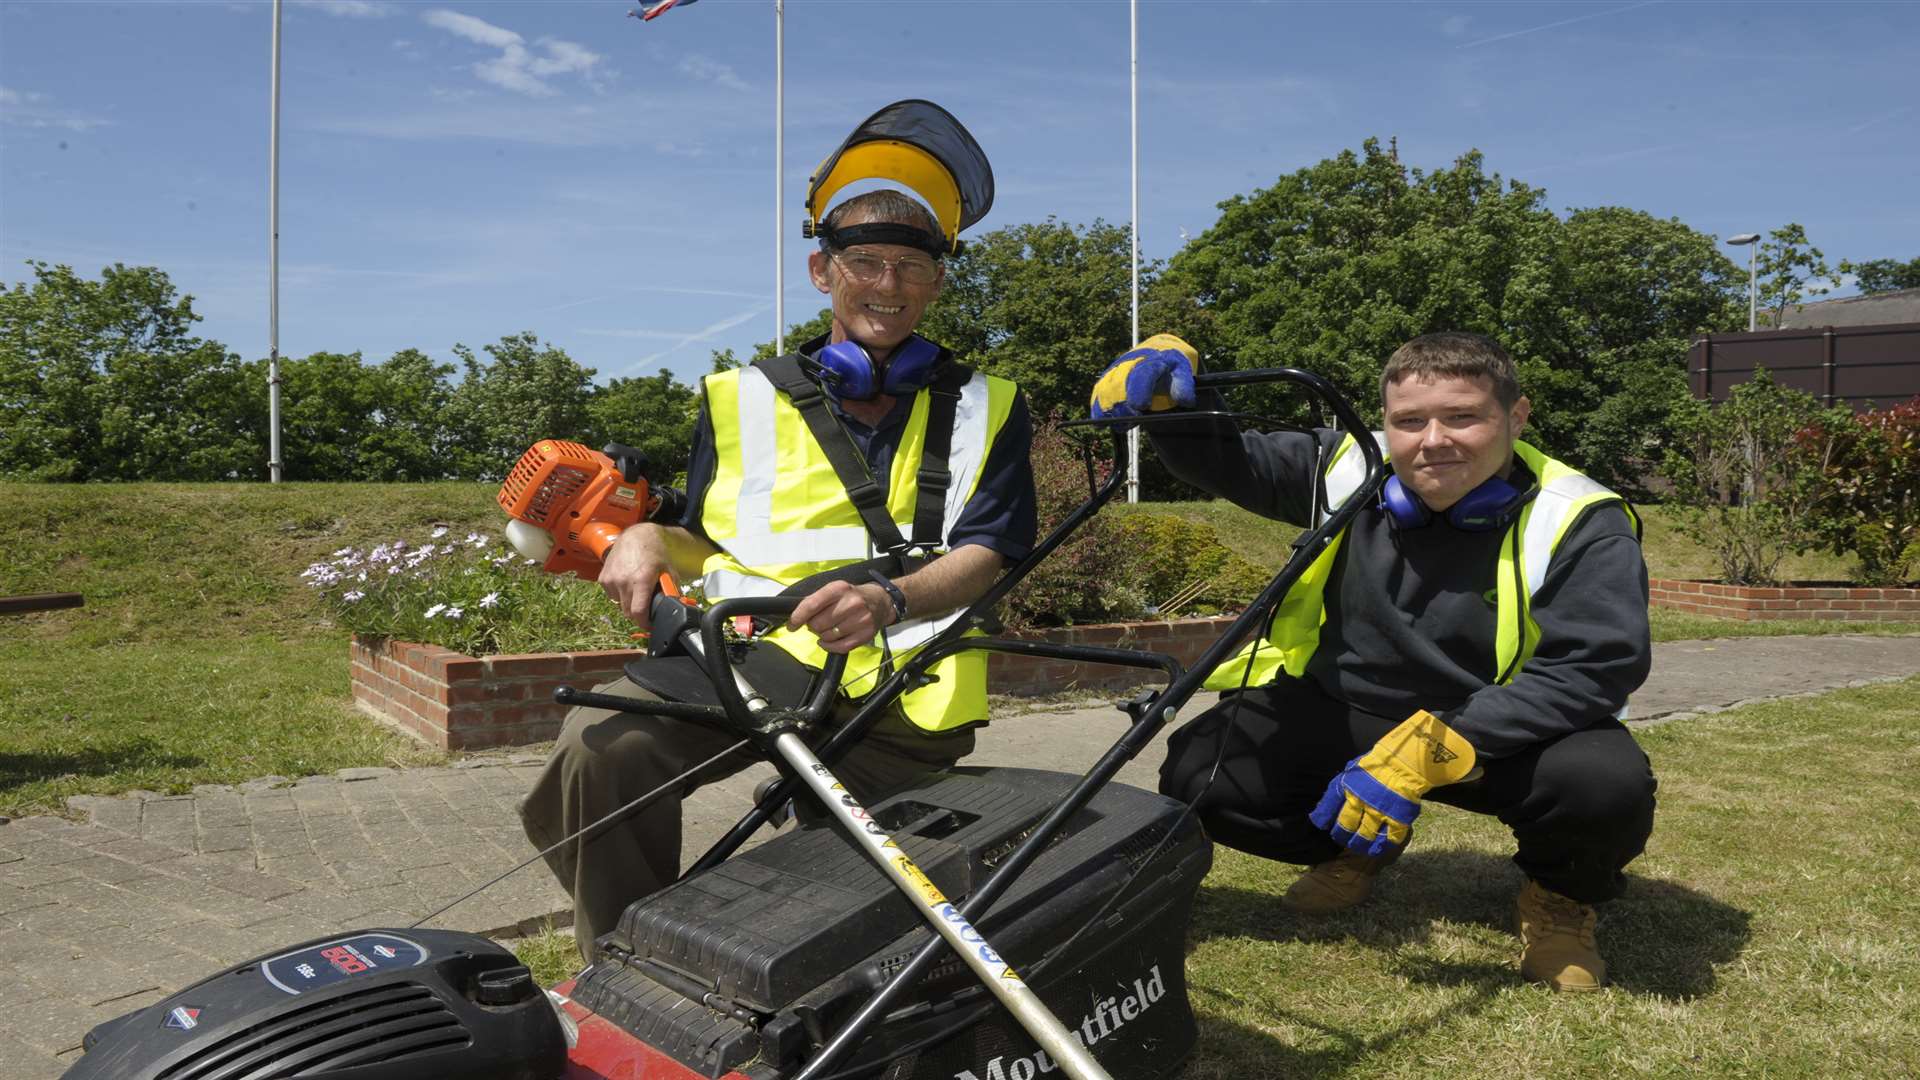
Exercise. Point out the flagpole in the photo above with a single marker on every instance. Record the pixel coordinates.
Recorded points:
(779, 174)
(273, 262)
(1133, 433)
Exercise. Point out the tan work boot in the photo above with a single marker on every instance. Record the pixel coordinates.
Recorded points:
(1335, 885)
(1556, 935)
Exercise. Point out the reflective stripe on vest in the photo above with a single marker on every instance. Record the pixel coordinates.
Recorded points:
(778, 513)
(1526, 551)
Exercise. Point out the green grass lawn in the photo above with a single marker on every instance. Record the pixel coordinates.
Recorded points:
(1733, 953)
(200, 658)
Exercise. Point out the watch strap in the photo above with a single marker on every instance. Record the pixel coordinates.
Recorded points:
(893, 591)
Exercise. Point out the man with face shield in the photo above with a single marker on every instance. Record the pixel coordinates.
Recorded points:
(867, 471)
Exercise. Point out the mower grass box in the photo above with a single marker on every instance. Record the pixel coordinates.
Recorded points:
(747, 967)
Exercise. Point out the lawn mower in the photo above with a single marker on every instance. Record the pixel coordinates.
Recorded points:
(982, 924)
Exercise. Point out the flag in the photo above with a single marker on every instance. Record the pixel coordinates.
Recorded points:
(658, 8)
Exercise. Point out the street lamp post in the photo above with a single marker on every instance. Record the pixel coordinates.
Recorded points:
(1748, 240)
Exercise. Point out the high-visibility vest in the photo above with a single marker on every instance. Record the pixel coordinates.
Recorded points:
(779, 514)
(1526, 551)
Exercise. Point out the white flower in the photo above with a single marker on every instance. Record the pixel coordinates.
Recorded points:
(435, 610)
(476, 540)
(361, 576)
(391, 570)
(353, 595)
(455, 612)
(490, 600)
(440, 532)
(343, 551)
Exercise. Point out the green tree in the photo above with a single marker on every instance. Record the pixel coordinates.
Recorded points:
(1336, 265)
(1789, 269)
(329, 405)
(1602, 342)
(410, 440)
(1745, 477)
(525, 392)
(1883, 275)
(651, 413)
(1044, 304)
(105, 380)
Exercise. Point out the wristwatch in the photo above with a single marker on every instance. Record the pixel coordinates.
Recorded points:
(893, 591)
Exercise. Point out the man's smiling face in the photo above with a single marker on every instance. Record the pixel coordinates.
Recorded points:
(879, 314)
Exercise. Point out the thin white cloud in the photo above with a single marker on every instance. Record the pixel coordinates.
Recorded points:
(30, 109)
(478, 31)
(350, 9)
(1455, 25)
(1553, 25)
(735, 294)
(518, 68)
(681, 341)
(1881, 119)
(707, 69)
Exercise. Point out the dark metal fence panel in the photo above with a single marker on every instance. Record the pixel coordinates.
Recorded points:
(1865, 367)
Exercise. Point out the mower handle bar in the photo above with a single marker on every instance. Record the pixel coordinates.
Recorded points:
(1150, 716)
(740, 704)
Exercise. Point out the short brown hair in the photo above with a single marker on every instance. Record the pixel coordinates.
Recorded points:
(884, 206)
(1453, 354)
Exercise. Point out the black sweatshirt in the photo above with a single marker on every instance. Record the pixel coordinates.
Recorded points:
(1410, 612)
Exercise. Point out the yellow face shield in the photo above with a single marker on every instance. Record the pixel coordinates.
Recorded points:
(921, 146)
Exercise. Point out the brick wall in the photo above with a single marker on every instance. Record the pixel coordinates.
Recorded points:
(460, 702)
(1788, 602)
(1184, 640)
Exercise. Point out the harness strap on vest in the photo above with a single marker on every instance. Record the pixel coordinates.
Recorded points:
(930, 504)
(869, 499)
(866, 495)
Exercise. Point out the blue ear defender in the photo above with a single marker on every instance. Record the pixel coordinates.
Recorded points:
(911, 367)
(1493, 505)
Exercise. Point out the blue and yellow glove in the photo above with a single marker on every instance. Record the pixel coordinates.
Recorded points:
(1371, 805)
(1153, 376)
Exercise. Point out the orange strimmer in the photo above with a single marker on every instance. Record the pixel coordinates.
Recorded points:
(568, 504)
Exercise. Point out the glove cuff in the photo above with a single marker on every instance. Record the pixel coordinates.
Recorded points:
(1424, 752)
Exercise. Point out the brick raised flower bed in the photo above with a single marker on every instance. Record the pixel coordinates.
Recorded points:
(460, 702)
(1815, 601)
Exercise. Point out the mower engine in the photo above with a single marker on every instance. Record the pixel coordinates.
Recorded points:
(568, 503)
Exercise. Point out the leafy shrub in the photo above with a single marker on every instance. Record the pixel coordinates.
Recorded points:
(1745, 478)
(1171, 557)
(1868, 500)
(1082, 581)
(474, 596)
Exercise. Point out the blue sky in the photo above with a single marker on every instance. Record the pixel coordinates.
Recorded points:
(456, 171)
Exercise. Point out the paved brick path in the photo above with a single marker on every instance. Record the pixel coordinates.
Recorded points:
(149, 893)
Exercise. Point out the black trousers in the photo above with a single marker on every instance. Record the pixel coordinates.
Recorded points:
(1580, 806)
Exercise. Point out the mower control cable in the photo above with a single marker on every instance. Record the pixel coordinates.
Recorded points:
(609, 819)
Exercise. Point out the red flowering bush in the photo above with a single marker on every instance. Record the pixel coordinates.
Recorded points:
(1867, 499)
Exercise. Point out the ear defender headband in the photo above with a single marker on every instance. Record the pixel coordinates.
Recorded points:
(853, 375)
(920, 145)
(1487, 508)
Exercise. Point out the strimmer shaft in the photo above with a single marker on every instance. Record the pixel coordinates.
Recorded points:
(942, 915)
